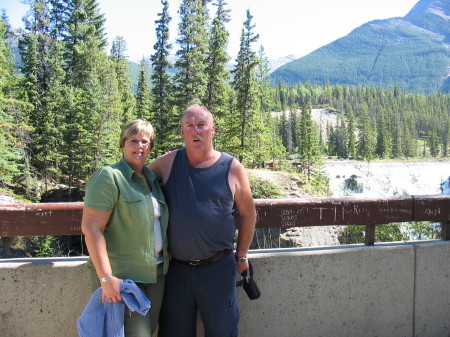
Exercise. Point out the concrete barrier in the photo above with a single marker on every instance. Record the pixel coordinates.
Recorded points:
(432, 289)
(342, 291)
(42, 297)
(391, 289)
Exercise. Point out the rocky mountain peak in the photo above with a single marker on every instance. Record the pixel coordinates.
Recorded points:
(437, 7)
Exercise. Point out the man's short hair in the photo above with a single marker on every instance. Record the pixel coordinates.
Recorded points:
(192, 106)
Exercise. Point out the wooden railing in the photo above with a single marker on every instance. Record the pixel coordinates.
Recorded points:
(65, 218)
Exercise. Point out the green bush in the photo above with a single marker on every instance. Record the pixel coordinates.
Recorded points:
(262, 189)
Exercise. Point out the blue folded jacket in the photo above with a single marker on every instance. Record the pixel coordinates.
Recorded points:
(106, 319)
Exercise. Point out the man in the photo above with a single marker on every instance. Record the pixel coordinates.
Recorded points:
(202, 188)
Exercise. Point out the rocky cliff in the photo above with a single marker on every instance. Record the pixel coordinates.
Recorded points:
(291, 186)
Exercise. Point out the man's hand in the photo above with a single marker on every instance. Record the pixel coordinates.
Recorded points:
(242, 266)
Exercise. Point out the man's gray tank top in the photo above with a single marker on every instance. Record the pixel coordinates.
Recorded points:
(201, 208)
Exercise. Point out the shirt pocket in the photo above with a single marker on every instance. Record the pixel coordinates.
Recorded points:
(133, 204)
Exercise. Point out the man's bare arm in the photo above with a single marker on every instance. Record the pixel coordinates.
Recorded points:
(244, 203)
(162, 166)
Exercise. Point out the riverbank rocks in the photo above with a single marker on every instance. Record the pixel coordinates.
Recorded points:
(292, 187)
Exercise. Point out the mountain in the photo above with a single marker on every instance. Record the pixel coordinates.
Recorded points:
(411, 52)
(136, 66)
(277, 63)
(16, 35)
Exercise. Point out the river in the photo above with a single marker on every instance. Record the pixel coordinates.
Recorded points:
(388, 178)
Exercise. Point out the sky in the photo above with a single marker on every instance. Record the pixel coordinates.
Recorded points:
(285, 27)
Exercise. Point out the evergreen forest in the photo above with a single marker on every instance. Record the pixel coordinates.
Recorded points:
(62, 108)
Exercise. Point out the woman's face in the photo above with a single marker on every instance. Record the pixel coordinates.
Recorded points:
(136, 150)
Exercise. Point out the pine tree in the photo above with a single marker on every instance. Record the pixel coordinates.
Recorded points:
(47, 136)
(162, 87)
(245, 85)
(383, 146)
(191, 78)
(10, 155)
(433, 143)
(107, 108)
(331, 144)
(309, 150)
(35, 48)
(218, 96)
(286, 132)
(341, 139)
(446, 139)
(276, 150)
(294, 123)
(58, 13)
(218, 76)
(409, 141)
(304, 129)
(263, 136)
(143, 95)
(43, 80)
(122, 70)
(83, 38)
(351, 132)
(366, 141)
(94, 117)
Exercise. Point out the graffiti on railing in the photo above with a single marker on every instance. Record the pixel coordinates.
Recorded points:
(337, 213)
(432, 212)
(5, 229)
(395, 210)
(287, 218)
(332, 212)
(65, 218)
(40, 219)
(44, 214)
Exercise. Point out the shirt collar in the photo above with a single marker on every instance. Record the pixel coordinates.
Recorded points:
(127, 169)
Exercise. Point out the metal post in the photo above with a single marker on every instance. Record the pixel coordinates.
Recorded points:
(370, 235)
(445, 230)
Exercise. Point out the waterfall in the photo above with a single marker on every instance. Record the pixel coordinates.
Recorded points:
(387, 178)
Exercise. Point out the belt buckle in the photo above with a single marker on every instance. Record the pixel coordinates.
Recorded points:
(194, 262)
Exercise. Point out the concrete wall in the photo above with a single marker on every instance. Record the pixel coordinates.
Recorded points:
(399, 289)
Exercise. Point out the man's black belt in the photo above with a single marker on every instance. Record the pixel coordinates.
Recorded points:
(214, 258)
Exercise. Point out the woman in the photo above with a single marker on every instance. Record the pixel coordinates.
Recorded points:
(125, 222)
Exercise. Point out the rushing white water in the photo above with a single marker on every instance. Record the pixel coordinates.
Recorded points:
(388, 178)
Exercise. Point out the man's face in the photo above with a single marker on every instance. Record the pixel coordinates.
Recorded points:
(197, 129)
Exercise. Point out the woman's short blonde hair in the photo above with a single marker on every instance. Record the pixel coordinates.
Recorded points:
(133, 128)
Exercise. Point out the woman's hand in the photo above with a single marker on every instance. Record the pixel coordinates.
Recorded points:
(111, 290)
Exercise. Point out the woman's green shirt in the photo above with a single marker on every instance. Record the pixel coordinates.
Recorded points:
(129, 233)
